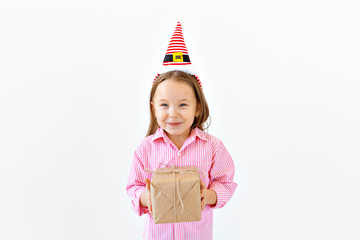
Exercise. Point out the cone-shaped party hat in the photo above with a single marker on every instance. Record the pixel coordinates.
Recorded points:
(177, 53)
(177, 56)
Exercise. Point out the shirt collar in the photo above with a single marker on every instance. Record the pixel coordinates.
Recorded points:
(200, 134)
(160, 133)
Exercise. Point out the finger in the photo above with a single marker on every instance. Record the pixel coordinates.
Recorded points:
(202, 193)
(147, 181)
(202, 184)
(150, 204)
(202, 204)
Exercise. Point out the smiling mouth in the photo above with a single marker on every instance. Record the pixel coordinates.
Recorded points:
(174, 124)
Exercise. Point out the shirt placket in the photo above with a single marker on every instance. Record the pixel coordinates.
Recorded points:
(178, 231)
(178, 227)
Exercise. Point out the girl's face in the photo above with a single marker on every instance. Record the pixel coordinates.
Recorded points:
(174, 105)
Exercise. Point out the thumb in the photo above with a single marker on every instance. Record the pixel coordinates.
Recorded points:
(147, 181)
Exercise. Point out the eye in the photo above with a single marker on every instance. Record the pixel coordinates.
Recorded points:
(163, 105)
(183, 105)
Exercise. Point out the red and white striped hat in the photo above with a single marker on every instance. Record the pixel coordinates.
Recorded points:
(177, 56)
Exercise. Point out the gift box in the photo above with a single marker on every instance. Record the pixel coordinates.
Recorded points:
(175, 195)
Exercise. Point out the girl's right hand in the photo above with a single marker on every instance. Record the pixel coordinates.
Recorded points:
(145, 198)
(147, 181)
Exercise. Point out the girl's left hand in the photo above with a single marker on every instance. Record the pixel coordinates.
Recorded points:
(208, 196)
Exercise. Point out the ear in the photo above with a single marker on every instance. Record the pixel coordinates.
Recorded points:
(198, 107)
(153, 108)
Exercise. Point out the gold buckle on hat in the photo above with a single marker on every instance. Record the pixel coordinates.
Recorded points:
(178, 57)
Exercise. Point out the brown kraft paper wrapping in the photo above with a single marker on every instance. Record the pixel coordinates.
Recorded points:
(175, 195)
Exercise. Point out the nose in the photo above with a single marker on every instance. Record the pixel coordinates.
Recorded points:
(172, 112)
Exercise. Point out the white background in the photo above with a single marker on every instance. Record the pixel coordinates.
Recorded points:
(281, 79)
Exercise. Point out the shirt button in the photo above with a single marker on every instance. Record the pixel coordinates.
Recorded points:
(179, 154)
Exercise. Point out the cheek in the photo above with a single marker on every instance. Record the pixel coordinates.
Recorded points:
(161, 115)
(190, 114)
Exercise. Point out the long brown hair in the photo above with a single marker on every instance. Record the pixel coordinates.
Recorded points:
(181, 76)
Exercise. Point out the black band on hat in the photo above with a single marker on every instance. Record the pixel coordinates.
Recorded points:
(170, 58)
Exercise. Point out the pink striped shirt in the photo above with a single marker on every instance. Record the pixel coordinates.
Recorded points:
(200, 149)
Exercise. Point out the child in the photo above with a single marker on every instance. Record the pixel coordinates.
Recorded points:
(175, 137)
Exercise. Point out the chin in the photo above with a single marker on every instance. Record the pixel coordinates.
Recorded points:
(174, 132)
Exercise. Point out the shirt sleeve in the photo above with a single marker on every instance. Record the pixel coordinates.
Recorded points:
(136, 183)
(221, 175)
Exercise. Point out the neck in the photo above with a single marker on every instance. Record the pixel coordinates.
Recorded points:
(179, 140)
